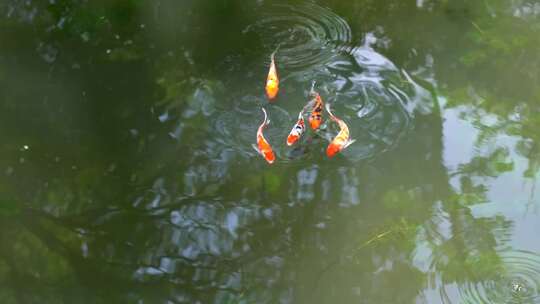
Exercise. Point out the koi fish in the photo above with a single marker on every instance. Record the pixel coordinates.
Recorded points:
(272, 81)
(315, 118)
(297, 130)
(342, 140)
(263, 147)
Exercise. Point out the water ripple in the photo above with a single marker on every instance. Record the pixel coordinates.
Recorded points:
(376, 99)
(307, 33)
(517, 282)
(368, 91)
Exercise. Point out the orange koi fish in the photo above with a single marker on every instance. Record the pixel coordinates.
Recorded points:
(272, 81)
(263, 147)
(342, 140)
(297, 130)
(315, 118)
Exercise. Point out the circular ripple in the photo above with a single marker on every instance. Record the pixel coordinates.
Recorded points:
(517, 282)
(307, 34)
(376, 99)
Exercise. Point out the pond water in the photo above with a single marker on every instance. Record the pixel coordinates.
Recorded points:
(127, 173)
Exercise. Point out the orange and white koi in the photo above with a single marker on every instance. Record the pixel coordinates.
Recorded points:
(315, 118)
(272, 81)
(263, 147)
(342, 140)
(298, 129)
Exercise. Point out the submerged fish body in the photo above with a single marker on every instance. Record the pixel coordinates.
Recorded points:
(272, 81)
(342, 140)
(263, 147)
(315, 118)
(297, 130)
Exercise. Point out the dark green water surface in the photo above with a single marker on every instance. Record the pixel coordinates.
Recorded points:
(127, 173)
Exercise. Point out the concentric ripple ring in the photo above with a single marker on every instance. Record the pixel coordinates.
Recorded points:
(307, 34)
(518, 281)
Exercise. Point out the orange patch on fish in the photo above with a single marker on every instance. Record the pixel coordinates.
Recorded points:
(291, 139)
(332, 149)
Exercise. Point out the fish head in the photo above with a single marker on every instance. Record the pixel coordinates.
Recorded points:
(292, 138)
(333, 149)
(265, 150)
(269, 156)
(315, 122)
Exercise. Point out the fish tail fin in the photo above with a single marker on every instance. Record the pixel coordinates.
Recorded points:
(327, 106)
(312, 90)
(312, 93)
(265, 115)
(266, 121)
(273, 55)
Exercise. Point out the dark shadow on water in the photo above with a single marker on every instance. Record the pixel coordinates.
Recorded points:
(127, 174)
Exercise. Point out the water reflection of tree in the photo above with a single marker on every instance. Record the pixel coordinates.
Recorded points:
(159, 243)
(486, 59)
(478, 50)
